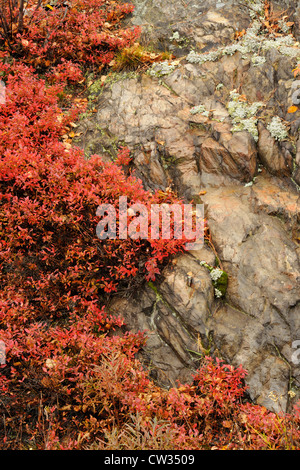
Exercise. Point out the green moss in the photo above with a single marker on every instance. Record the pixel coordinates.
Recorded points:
(167, 161)
(98, 86)
(198, 125)
(154, 288)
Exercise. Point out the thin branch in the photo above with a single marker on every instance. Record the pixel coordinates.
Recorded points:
(5, 28)
(11, 6)
(21, 17)
(55, 29)
(37, 7)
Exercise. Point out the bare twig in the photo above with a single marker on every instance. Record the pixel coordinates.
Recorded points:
(37, 7)
(55, 29)
(21, 17)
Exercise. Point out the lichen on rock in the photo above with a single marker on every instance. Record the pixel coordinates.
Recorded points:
(277, 129)
(243, 114)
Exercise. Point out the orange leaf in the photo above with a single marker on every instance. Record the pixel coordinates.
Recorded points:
(239, 34)
(227, 424)
(243, 98)
(292, 109)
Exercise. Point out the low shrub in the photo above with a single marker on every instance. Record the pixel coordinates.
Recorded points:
(71, 378)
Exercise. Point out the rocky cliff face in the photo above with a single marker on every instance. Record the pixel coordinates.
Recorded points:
(217, 121)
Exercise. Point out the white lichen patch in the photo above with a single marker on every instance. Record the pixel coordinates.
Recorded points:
(258, 60)
(195, 58)
(256, 7)
(277, 129)
(162, 69)
(200, 109)
(175, 36)
(243, 114)
(285, 28)
(255, 42)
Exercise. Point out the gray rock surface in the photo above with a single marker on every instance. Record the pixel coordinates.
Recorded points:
(199, 23)
(205, 123)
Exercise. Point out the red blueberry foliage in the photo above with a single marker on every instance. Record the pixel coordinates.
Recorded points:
(82, 31)
(71, 377)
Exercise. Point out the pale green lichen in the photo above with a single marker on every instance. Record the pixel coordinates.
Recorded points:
(277, 129)
(255, 41)
(195, 58)
(181, 41)
(162, 69)
(175, 36)
(285, 28)
(200, 109)
(243, 115)
(258, 60)
(256, 8)
(247, 185)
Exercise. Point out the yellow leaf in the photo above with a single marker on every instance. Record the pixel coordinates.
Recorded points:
(66, 408)
(296, 70)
